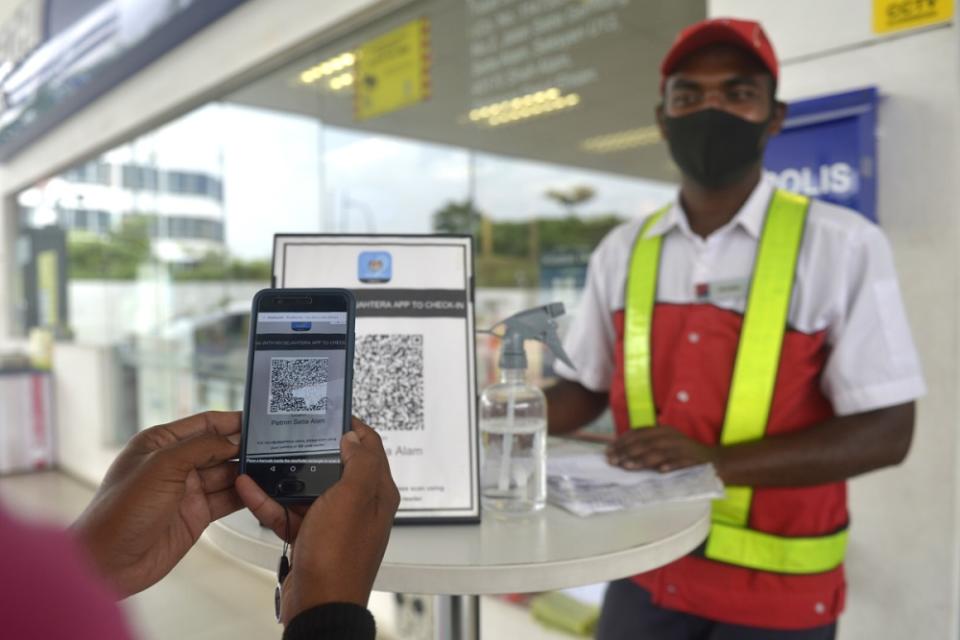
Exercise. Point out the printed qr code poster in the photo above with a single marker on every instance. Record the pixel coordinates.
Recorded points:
(388, 381)
(414, 375)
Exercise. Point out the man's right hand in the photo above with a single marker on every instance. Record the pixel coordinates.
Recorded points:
(340, 540)
(660, 448)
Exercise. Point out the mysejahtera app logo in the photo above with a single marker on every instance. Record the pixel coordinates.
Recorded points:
(375, 267)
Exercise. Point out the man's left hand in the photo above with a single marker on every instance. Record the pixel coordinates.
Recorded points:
(659, 448)
(158, 496)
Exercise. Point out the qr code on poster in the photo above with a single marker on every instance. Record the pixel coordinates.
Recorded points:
(388, 381)
(298, 385)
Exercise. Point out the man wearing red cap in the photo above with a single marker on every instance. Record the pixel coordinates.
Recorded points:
(751, 328)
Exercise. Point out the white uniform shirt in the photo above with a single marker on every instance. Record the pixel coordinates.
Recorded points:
(845, 285)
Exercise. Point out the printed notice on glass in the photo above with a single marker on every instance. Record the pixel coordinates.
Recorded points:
(414, 360)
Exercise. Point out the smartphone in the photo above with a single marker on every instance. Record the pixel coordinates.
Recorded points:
(299, 381)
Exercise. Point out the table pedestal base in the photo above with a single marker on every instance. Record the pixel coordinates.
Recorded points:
(457, 617)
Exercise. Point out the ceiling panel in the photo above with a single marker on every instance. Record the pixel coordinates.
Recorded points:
(605, 51)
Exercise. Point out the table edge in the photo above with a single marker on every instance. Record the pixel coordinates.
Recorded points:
(494, 579)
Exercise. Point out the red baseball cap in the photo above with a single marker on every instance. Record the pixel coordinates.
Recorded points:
(745, 34)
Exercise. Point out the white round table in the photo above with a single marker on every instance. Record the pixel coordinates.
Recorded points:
(549, 550)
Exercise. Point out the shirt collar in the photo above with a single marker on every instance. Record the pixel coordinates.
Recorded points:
(750, 217)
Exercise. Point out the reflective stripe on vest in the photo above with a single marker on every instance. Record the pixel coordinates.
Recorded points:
(751, 391)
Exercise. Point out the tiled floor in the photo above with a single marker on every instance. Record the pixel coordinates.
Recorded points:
(211, 597)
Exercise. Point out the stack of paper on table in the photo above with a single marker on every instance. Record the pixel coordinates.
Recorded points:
(585, 484)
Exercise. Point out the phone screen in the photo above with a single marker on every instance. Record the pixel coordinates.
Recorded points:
(298, 392)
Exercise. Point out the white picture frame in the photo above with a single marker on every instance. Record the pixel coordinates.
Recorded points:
(415, 358)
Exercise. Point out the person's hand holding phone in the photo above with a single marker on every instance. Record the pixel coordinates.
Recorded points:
(341, 538)
(165, 487)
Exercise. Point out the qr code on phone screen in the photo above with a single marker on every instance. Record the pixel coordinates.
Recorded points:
(298, 385)
(388, 381)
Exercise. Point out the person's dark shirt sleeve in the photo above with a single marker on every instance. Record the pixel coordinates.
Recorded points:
(340, 620)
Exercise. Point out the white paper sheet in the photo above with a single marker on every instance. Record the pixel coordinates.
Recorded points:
(585, 484)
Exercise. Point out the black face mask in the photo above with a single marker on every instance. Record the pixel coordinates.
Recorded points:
(714, 147)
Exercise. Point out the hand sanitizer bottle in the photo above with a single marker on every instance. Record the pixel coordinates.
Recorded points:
(513, 432)
(513, 420)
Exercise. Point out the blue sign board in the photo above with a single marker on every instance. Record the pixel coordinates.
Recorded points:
(827, 150)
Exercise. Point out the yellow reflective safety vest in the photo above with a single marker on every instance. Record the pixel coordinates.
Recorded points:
(731, 539)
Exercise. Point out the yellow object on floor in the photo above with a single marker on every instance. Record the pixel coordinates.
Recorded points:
(560, 611)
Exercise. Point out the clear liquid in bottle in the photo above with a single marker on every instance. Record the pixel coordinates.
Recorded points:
(513, 431)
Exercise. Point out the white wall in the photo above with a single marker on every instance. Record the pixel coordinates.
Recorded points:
(84, 416)
(903, 561)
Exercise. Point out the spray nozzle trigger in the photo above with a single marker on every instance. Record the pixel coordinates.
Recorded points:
(533, 324)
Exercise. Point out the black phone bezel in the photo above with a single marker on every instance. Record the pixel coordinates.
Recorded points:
(298, 300)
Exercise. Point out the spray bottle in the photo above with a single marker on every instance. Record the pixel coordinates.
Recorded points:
(513, 418)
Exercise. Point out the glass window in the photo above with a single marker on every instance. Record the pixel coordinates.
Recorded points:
(529, 125)
(175, 182)
(131, 177)
(103, 173)
(103, 222)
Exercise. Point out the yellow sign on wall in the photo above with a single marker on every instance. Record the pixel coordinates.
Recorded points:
(393, 70)
(898, 15)
(47, 291)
